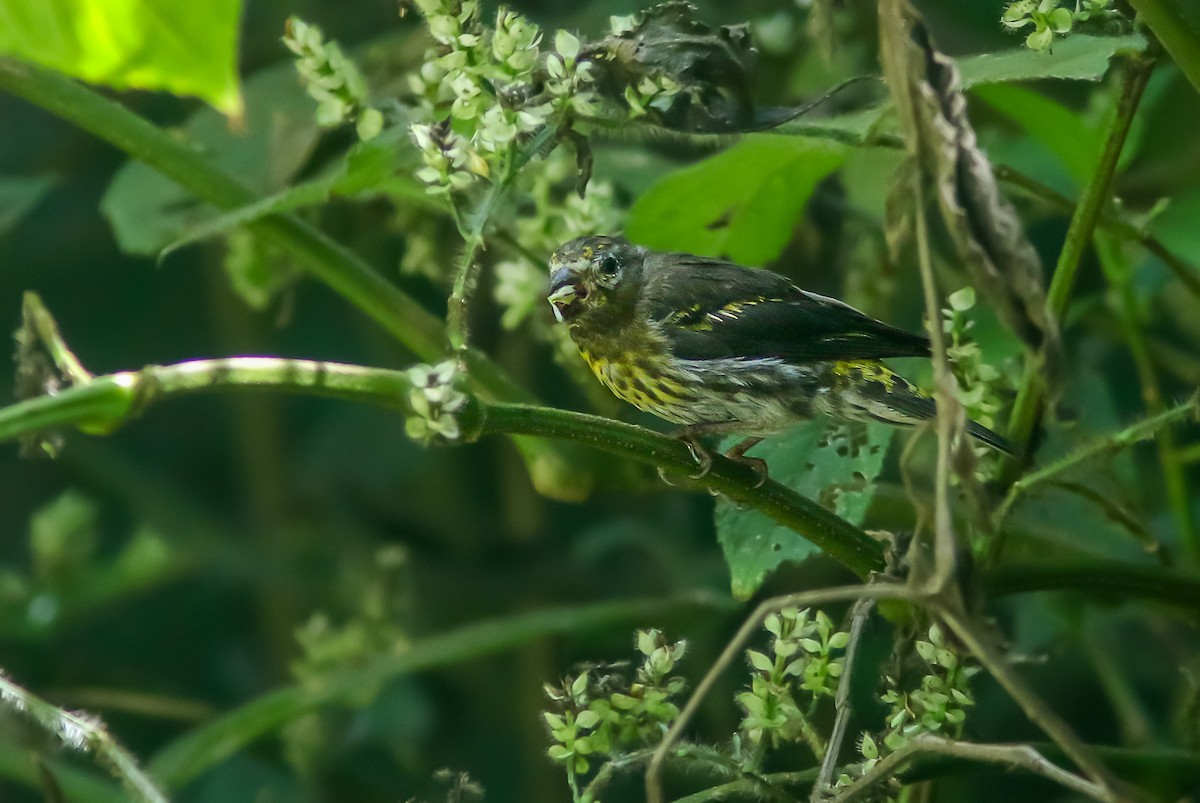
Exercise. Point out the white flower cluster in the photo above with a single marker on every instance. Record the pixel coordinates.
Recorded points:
(332, 80)
(449, 161)
(569, 80)
(980, 384)
(435, 403)
(482, 83)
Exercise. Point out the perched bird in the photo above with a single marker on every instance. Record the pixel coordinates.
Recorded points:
(720, 349)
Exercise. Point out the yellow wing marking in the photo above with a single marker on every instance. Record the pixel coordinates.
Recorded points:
(868, 371)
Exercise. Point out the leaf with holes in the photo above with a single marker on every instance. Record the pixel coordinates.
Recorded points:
(836, 465)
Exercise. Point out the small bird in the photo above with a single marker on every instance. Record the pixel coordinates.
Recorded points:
(722, 349)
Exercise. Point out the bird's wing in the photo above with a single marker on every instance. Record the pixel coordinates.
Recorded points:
(708, 309)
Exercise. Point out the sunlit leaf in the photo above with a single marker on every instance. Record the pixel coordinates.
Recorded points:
(742, 203)
(180, 47)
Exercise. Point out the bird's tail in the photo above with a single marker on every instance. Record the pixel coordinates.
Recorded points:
(876, 392)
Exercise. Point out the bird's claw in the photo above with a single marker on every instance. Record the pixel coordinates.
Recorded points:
(755, 464)
(702, 457)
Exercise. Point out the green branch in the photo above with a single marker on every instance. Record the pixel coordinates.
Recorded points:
(106, 402)
(837, 537)
(1096, 196)
(554, 474)
(1117, 579)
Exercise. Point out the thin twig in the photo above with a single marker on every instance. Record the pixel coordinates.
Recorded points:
(1108, 444)
(803, 599)
(858, 620)
(1019, 756)
(1036, 709)
(949, 419)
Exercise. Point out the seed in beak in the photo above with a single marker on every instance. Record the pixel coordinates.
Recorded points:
(562, 296)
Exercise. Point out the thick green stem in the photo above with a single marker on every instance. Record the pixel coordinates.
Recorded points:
(1096, 195)
(106, 402)
(837, 537)
(109, 401)
(1178, 30)
(423, 333)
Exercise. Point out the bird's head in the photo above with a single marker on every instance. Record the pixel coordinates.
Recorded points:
(595, 277)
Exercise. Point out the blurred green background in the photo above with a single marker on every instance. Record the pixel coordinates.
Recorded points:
(223, 546)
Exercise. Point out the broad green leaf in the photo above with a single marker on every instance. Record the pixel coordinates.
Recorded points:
(369, 168)
(187, 48)
(19, 194)
(742, 203)
(836, 465)
(1062, 131)
(1077, 57)
(148, 211)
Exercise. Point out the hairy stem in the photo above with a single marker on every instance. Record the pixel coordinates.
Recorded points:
(82, 733)
(1109, 444)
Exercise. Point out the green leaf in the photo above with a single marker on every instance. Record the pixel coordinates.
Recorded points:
(147, 210)
(19, 194)
(381, 166)
(181, 47)
(1062, 131)
(835, 465)
(742, 203)
(1076, 58)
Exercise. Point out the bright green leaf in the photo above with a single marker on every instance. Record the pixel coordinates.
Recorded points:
(835, 465)
(19, 194)
(1063, 132)
(742, 203)
(187, 48)
(1078, 57)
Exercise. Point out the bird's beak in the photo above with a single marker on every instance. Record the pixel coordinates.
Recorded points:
(564, 293)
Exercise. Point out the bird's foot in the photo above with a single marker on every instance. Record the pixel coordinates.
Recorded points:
(702, 456)
(756, 464)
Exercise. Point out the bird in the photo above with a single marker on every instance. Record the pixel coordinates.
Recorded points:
(718, 348)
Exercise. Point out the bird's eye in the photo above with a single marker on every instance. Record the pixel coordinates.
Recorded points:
(608, 265)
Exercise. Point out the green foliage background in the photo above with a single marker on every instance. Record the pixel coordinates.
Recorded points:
(376, 611)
